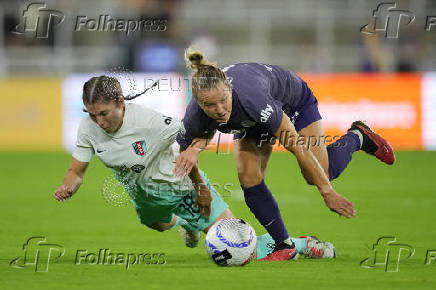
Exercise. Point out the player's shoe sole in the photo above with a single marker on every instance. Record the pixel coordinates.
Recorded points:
(319, 249)
(374, 144)
(282, 254)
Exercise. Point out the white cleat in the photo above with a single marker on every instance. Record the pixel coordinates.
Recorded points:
(319, 249)
(191, 238)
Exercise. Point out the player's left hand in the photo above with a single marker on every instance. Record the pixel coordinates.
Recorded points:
(203, 200)
(185, 161)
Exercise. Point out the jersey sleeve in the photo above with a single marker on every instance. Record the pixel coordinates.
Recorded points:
(265, 111)
(193, 126)
(185, 136)
(84, 150)
(167, 128)
(252, 83)
(273, 121)
(157, 126)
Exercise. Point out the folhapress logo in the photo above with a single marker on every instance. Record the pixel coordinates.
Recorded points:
(38, 254)
(266, 113)
(388, 19)
(37, 20)
(388, 253)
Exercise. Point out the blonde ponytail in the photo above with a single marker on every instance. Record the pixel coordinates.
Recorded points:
(194, 58)
(206, 74)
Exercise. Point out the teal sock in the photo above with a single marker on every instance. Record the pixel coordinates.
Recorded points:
(265, 245)
(180, 222)
(301, 244)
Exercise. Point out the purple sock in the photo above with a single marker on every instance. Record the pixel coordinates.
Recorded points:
(340, 153)
(264, 207)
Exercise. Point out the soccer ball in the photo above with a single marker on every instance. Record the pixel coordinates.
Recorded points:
(231, 242)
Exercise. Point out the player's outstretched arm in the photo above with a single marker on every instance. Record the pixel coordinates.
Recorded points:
(72, 181)
(312, 170)
(203, 198)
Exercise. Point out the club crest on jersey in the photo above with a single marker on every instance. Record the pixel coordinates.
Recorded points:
(140, 147)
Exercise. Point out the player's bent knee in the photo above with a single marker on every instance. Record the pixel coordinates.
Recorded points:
(248, 180)
(158, 227)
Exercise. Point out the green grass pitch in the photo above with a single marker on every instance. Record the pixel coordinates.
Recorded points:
(397, 200)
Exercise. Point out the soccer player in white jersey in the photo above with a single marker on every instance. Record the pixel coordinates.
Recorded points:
(137, 143)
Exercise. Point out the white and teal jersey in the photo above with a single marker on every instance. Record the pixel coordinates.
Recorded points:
(141, 153)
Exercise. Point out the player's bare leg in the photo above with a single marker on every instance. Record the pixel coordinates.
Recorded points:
(314, 139)
(190, 237)
(251, 162)
(161, 227)
(335, 157)
(248, 162)
(265, 153)
(227, 214)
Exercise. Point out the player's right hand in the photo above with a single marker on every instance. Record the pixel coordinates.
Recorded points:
(186, 160)
(63, 193)
(339, 204)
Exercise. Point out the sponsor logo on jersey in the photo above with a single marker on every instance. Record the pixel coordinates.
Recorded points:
(167, 119)
(139, 147)
(266, 113)
(100, 150)
(137, 168)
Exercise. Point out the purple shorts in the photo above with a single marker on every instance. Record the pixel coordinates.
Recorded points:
(304, 114)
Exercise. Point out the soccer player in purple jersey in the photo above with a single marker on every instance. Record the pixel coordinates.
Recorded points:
(260, 103)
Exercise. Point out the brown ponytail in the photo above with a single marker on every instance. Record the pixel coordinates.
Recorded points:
(102, 88)
(107, 89)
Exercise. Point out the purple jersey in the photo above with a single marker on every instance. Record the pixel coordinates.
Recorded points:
(260, 94)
